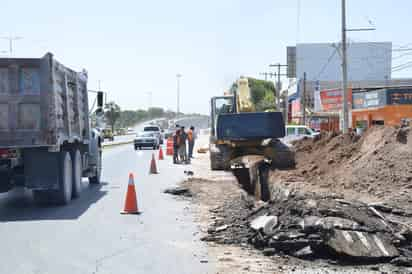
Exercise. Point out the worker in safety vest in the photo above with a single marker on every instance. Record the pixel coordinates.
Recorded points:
(176, 143)
(191, 140)
(182, 146)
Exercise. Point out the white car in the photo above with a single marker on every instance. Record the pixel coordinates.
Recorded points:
(156, 130)
(298, 132)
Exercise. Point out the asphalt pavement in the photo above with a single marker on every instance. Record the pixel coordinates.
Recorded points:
(90, 236)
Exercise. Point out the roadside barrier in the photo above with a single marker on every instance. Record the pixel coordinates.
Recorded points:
(130, 205)
(169, 146)
(153, 167)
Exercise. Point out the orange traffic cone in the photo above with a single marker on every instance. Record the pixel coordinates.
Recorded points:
(160, 153)
(130, 206)
(153, 168)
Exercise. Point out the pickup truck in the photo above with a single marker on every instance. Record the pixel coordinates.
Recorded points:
(46, 142)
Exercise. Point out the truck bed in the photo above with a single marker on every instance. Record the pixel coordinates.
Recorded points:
(42, 103)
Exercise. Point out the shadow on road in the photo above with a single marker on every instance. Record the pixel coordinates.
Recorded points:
(18, 205)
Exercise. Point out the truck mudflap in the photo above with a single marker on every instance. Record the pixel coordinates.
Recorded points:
(252, 172)
(41, 169)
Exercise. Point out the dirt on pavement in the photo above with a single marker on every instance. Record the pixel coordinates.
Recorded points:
(222, 208)
(376, 167)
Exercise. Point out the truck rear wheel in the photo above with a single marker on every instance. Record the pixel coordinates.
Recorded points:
(220, 159)
(95, 180)
(77, 173)
(64, 194)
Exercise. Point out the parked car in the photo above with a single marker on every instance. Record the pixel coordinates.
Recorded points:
(146, 139)
(298, 132)
(156, 130)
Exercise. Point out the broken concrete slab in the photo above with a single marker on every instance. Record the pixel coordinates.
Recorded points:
(361, 245)
(267, 224)
(314, 223)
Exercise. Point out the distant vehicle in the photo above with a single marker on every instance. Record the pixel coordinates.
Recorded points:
(146, 139)
(156, 130)
(107, 133)
(298, 132)
(121, 131)
(130, 131)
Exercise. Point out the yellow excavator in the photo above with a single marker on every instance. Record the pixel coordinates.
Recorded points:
(247, 141)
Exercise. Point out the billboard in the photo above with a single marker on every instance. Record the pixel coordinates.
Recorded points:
(376, 98)
(399, 96)
(366, 61)
(331, 99)
(291, 62)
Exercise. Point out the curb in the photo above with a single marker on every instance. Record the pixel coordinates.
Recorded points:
(117, 144)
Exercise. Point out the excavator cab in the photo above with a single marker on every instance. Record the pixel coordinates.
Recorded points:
(221, 105)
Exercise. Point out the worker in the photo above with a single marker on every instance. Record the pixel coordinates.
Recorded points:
(191, 140)
(176, 143)
(182, 146)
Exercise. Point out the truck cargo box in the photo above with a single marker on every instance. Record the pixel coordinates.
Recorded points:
(42, 103)
(250, 126)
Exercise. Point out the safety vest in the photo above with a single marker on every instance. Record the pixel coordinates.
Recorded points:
(190, 135)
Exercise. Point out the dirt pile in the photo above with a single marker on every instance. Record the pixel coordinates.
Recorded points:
(311, 226)
(379, 163)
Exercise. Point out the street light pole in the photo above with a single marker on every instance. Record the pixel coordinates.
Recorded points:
(178, 76)
(345, 126)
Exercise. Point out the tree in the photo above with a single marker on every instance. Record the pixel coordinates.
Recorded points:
(155, 112)
(262, 94)
(112, 114)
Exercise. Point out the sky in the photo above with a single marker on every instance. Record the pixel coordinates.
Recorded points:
(136, 48)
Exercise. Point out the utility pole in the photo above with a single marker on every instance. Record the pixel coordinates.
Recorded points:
(345, 127)
(178, 76)
(11, 39)
(304, 99)
(345, 107)
(278, 83)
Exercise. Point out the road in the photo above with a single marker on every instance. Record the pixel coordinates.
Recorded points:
(90, 236)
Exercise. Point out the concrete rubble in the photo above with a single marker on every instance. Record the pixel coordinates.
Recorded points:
(311, 226)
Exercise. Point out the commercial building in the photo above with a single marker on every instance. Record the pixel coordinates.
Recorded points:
(369, 68)
(388, 106)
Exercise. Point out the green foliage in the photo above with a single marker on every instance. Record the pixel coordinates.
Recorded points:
(262, 93)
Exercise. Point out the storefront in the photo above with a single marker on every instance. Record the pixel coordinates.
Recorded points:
(382, 107)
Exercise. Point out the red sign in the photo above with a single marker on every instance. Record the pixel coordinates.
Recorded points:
(331, 99)
(296, 108)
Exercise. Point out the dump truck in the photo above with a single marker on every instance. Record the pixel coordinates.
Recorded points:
(247, 141)
(46, 141)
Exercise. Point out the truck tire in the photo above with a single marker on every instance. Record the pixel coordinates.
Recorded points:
(77, 173)
(220, 160)
(64, 194)
(5, 181)
(95, 180)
